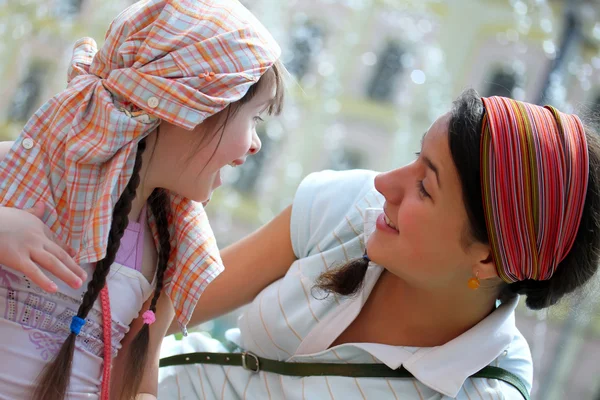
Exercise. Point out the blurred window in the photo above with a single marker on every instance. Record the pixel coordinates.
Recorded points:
(252, 168)
(306, 43)
(67, 8)
(501, 83)
(27, 95)
(344, 158)
(383, 82)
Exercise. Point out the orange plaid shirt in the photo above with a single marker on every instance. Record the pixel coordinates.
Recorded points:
(179, 61)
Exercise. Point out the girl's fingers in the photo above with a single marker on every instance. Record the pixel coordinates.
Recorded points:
(46, 260)
(50, 235)
(60, 253)
(35, 274)
(37, 209)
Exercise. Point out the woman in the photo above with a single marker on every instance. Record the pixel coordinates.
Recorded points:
(502, 200)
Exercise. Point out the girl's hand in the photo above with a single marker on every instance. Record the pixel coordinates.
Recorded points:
(27, 245)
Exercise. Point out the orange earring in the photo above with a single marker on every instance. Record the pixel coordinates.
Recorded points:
(474, 283)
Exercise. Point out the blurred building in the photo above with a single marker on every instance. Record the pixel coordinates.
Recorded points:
(368, 77)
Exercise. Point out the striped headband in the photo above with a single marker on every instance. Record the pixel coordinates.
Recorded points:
(534, 175)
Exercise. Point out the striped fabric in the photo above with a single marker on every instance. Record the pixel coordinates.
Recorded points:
(179, 61)
(534, 173)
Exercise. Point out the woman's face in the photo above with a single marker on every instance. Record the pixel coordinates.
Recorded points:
(422, 236)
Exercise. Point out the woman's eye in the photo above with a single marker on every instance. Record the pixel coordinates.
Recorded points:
(258, 119)
(422, 190)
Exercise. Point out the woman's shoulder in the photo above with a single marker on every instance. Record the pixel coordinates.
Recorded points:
(327, 199)
(514, 361)
(484, 388)
(336, 186)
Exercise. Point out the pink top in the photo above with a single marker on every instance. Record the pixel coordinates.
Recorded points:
(131, 250)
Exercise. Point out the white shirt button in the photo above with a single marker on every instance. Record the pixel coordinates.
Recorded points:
(27, 143)
(152, 102)
(144, 118)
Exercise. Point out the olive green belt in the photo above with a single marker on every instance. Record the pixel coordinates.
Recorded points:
(254, 363)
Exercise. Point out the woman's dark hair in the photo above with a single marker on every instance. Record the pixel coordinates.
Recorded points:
(581, 263)
(54, 378)
(464, 135)
(346, 280)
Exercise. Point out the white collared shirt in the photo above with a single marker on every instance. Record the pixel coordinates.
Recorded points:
(287, 321)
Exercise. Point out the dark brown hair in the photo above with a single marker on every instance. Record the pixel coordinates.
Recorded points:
(581, 263)
(464, 136)
(54, 379)
(217, 122)
(346, 280)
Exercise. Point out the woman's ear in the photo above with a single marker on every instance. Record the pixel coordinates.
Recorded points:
(485, 268)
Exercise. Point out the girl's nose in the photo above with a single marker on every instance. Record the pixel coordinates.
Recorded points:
(255, 146)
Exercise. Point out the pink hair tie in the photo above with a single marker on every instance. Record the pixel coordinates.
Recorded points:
(149, 317)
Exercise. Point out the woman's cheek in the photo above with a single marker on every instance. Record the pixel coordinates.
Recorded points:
(410, 218)
(415, 226)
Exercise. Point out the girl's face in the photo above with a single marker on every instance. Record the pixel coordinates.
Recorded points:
(189, 164)
(422, 235)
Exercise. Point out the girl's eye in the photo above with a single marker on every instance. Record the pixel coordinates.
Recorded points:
(422, 190)
(258, 119)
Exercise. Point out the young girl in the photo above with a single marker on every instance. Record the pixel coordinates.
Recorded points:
(119, 160)
(503, 200)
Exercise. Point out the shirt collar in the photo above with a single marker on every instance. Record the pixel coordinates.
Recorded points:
(445, 368)
(369, 222)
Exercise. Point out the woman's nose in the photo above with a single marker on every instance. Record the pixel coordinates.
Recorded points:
(391, 185)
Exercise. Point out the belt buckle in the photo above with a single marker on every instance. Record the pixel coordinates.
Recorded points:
(245, 361)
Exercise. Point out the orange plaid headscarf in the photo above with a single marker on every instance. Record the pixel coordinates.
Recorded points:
(179, 61)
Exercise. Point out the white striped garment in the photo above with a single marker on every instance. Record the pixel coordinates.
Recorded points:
(285, 322)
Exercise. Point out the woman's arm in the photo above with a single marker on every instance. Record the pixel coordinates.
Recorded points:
(250, 265)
